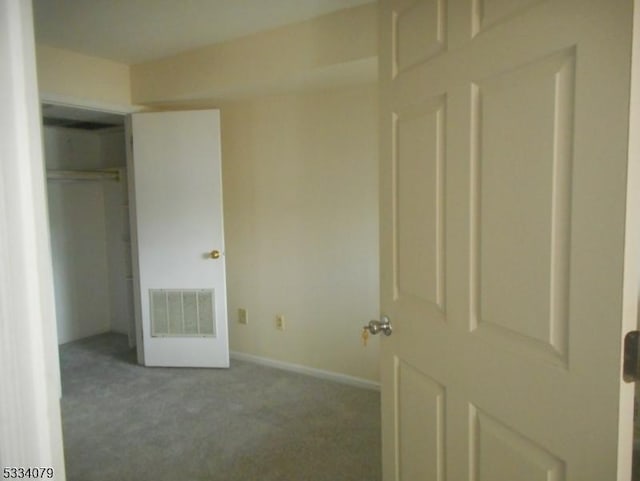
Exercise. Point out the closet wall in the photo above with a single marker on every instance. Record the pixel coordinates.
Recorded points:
(89, 234)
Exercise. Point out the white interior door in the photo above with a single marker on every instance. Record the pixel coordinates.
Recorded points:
(507, 262)
(180, 239)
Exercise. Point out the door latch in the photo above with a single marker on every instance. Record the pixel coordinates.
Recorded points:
(383, 326)
(630, 370)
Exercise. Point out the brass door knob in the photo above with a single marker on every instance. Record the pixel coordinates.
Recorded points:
(215, 254)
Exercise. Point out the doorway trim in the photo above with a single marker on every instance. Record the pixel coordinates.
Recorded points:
(87, 104)
(31, 428)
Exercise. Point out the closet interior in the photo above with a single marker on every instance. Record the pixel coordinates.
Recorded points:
(85, 157)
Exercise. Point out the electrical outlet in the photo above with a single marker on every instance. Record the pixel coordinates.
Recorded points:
(280, 322)
(243, 317)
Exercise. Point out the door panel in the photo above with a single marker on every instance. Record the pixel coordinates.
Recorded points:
(178, 195)
(486, 13)
(522, 155)
(503, 202)
(420, 32)
(419, 172)
(421, 424)
(498, 452)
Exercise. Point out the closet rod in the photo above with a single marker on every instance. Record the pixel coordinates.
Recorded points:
(83, 175)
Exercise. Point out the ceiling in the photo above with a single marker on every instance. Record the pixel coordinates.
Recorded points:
(133, 31)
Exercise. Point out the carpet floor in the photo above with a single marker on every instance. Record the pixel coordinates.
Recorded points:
(124, 422)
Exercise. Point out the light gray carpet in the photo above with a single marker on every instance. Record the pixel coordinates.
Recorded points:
(123, 422)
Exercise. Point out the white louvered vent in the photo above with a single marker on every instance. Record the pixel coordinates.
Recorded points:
(182, 313)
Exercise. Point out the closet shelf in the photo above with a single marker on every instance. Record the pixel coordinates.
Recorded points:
(83, 175)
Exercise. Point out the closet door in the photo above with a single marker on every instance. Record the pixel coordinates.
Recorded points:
(179, 238)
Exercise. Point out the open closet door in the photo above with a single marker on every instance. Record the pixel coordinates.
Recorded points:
(179, 238)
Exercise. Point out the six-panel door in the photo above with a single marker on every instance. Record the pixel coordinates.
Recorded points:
(504, 130)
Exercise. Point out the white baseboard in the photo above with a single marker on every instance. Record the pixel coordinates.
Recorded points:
(309, 371)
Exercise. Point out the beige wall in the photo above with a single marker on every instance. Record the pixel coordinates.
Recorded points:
(72, 76)
(335, 49)
(301, 220)
(300, 175)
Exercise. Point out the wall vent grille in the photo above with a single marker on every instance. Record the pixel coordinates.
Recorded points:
(182, 313)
